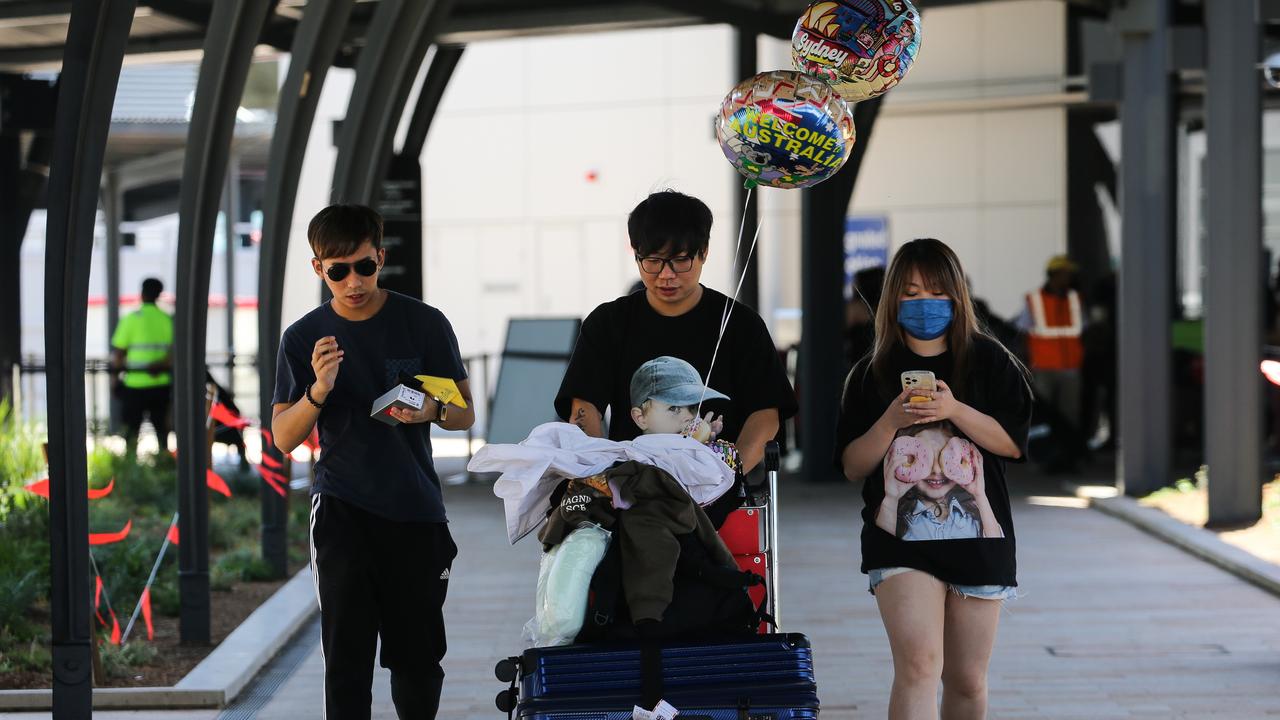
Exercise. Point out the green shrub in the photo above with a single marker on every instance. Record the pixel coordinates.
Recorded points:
(243, 564)
(18, 654)
(165, 598)
(234, 522)
(119, 660)
(21, 461)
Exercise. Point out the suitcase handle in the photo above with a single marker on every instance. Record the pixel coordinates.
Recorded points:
(772, 456)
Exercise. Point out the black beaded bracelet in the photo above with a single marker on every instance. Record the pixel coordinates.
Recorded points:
(307, 393)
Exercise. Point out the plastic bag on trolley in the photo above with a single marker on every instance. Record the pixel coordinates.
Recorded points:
(564, 579)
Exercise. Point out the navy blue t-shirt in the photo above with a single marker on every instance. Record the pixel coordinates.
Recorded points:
(384, 469)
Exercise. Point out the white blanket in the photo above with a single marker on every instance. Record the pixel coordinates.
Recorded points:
(555, 451)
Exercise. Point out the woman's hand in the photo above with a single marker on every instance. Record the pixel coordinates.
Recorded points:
(942, 405)
(897, 415)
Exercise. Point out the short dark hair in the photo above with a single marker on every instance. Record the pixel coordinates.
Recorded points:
(339, 230)
(671, 220)
(151, 289)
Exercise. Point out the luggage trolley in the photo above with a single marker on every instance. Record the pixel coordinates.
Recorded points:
(768, 676)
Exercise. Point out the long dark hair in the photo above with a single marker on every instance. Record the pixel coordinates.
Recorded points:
(941, 271)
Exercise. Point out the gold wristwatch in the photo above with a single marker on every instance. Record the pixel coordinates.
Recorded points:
(442, 411)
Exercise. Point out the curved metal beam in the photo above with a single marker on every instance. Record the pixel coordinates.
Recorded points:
(443, 63)
(96, 39)
(319, 36)
(234, 28)
(399, 36)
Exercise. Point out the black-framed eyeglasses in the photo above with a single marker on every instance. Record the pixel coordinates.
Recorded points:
(338, 272)
(653, 264)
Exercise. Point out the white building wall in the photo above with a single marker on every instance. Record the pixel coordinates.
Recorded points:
(971, 148)
(529, 179)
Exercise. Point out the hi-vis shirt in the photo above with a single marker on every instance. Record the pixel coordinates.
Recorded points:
(1053, 342)
(145, 336)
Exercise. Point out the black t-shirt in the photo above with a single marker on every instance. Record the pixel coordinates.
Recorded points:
(384, 469)
(620, 336)
(952, 518)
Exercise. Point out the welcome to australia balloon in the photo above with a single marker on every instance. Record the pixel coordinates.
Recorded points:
(785, 129)
(862, 47)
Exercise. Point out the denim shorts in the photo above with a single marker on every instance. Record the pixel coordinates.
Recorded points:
(981, 592)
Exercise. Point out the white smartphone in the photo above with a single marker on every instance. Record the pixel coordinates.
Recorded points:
(922, 380)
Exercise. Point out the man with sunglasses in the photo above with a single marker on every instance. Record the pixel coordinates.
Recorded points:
(381, 551)
(676, 315)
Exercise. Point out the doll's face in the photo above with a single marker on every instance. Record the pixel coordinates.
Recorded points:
(656, 416)
(933, 460)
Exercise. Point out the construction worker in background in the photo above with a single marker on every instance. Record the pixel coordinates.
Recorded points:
(141, 358)
(1053, 321)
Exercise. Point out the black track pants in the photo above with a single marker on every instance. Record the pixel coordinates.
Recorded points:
(379, 578)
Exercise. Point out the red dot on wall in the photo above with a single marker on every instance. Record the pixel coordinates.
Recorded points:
(592, 176)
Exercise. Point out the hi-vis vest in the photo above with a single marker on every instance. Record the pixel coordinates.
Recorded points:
(146, 336)
(1054, 341)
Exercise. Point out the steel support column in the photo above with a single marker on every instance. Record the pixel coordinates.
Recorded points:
(314, 47)
(96, 38)
(231, 211)
(234, 28)
(1148, 174)
(112, 206)
(1234, 390)
(748, 217)
(821, 372)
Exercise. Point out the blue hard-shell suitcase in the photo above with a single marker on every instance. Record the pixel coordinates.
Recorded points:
(766, 677)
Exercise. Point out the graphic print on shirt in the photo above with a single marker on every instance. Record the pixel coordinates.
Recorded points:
(935, 475)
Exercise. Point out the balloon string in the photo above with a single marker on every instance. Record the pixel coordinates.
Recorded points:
(730, 301)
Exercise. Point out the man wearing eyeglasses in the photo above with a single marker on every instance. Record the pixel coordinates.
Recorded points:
(381, 551)
(676, 315)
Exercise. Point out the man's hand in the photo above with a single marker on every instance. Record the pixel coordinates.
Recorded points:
(325, 359)
(429, 412)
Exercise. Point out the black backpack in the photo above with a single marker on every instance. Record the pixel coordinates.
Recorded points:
(708, 602)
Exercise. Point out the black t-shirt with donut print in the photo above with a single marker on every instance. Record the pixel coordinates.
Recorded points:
(938, 502)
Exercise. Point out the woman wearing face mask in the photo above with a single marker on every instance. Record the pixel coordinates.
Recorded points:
(938, 582)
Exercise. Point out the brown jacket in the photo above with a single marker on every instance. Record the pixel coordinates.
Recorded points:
(661, 510)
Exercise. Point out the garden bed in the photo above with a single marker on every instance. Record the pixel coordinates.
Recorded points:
(143, 494)
(1188, 502)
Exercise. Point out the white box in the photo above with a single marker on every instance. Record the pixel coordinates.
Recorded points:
(399, 396)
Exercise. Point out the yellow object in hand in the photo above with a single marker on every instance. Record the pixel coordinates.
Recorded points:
(443, 389)
(918, 399)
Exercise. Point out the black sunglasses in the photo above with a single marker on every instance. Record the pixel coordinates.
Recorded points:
(338, 272)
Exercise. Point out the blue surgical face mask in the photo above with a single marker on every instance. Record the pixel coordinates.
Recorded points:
(925, 318)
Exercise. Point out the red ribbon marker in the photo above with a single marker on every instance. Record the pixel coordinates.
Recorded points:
(41, 487)
(95, 494)
(273, 479)
(108, 538)
(146, 613)
(216, 483)
(173, 534)
(223, 414)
